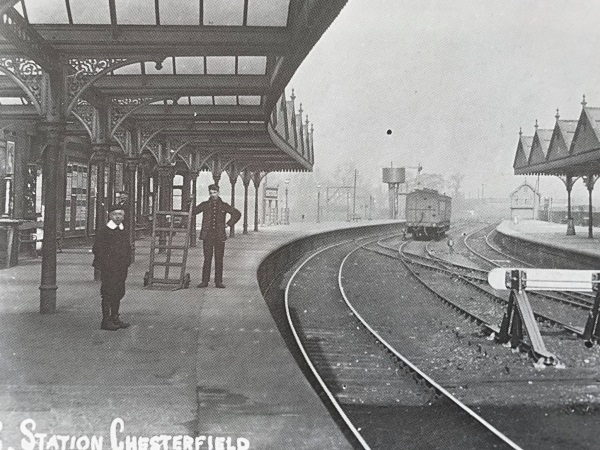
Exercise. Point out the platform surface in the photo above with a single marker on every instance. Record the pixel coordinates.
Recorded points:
(195, 362)
(554, 235)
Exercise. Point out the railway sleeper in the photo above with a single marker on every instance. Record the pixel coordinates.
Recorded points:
(516, 336)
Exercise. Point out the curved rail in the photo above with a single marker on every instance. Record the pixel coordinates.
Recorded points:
(314, 371)
(414, 369)
(473, 280)
(575, 299)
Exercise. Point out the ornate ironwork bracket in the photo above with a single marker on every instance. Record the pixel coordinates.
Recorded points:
(154, 149)
(21, 34)
(28, 75)
(568, 180)
(84, 112)
(246, 175)
(590, 181)
(233, 171)
(186, 157)
(84, 72)
(148, 132)
(257, 177)
(122, 108)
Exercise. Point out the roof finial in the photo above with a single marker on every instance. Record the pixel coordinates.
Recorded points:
(583, 102)
(557, 115)
(307, 121)
(536, 125)
(293, 97)
(520, 131)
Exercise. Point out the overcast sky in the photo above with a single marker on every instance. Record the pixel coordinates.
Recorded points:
(453, 80)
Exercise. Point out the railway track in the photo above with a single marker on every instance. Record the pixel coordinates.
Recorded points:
(555, 308)
(489, 254)
(365, 377)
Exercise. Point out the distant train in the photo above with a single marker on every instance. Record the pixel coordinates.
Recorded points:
(427, 214)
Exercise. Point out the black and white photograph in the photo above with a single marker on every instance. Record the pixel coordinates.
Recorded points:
(299, 224)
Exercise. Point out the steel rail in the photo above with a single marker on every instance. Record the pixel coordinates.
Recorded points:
(569, 298)
(472, 280)
(314, 371)
(413, 368)
(577, 296)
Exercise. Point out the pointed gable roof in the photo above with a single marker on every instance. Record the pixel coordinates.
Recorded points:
(524, 185)
(523, 150)
(539, 146)
(587, 133)
(562, 136)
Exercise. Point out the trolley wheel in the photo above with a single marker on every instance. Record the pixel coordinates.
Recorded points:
(186, 281)
(146, 278)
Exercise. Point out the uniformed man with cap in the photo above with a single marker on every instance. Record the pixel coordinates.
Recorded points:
(112, 255)
(213, 234)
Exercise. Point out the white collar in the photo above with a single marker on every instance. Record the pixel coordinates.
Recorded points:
(113, 225)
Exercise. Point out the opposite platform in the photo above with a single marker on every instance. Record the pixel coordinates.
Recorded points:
(547, 245)
(196, 362)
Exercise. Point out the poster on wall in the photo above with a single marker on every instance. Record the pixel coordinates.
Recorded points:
(10, 157)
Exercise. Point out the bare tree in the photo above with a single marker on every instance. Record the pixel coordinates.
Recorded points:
(456, 180)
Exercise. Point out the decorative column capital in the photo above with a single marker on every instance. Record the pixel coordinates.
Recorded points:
(166, 170)
(100, 152)
(52, 128)
(132, 163)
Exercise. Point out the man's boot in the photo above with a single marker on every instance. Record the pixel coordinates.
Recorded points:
(115, 316)
(107, 323)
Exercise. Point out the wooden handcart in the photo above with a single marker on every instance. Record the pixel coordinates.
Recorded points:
(171, 234)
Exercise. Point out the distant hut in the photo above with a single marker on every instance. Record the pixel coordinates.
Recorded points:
(524, 202)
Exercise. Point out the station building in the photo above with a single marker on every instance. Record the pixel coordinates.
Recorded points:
(104, 102)
(524, 203)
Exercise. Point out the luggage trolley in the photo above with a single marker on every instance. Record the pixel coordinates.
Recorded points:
(171, 234)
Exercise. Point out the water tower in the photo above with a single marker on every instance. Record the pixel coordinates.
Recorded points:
(393, 176)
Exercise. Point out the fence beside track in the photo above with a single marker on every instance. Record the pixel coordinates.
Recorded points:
(543, 254)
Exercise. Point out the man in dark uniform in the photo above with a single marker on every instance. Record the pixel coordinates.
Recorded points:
(112, 255)
(213, 233)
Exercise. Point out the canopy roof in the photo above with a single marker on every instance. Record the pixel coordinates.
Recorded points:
(572, 148)
(173, 63)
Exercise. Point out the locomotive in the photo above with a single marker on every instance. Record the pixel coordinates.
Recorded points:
(427, 214)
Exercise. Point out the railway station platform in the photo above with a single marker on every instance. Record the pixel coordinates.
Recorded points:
(205, 363)
(550, 244)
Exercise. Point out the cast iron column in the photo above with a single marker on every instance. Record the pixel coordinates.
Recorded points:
(100, 155)
(139, 195)
(131, 165)
(246, 178)
(570, 224)
(55, 132)
(194, 180)
(165, 197)
(589, 182)
(146, 177)
(233, 182)
(256, 179)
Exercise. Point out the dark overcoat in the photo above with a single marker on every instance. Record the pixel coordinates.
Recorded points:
(214, 219)
(112, 250)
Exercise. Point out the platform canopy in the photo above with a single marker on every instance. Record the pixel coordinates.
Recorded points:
(178, 85)
(570, 149)
(186, 79)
